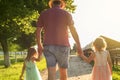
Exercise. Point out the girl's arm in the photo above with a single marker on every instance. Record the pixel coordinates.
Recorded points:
(23, 69)
(36, 58)
(84, 57)
(109, 61)
(90, 58)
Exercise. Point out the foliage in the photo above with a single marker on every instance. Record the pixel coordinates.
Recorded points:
(27, 41)
(17, 16)
(13, 47)
(70, 7)
(16, 19)
(116, 73)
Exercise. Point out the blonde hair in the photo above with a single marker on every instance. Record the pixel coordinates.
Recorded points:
(99, 44)
(31, 52)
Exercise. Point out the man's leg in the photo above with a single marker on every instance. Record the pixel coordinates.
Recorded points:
(63, 73)
(63, 61)
(49, 52)
(52, 73)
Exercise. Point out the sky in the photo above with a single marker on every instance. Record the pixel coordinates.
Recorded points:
(93, 18)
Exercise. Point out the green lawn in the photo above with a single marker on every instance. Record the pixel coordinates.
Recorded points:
(13, 72)
(116, 73)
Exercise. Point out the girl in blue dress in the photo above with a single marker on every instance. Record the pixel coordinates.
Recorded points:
(32, 72)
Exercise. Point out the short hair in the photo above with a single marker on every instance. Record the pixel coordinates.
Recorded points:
(56, 2)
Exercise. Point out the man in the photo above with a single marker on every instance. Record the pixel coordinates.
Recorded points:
(55, 22)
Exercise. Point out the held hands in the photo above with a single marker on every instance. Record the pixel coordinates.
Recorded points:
(81, 54)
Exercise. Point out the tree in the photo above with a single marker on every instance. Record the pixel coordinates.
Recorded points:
(15, 20)
(16, 17)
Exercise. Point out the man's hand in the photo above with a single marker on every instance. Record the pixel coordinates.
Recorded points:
(81, 54)
(79, 50)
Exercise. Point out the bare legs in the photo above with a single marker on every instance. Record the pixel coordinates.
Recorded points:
(52, 73)
(63, 74)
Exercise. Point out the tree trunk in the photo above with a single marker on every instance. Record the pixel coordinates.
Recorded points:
(6, 53)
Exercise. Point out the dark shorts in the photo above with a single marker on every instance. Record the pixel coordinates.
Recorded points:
(57, 54)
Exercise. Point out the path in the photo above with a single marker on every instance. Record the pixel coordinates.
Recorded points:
(78, 69)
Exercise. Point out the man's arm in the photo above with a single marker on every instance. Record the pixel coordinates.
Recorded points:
(38, 39)
(76, 38)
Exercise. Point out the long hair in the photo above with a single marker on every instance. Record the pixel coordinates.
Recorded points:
(31, 52)
(99, 44)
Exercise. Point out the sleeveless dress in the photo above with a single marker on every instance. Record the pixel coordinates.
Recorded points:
(32, 72)
(101, 69)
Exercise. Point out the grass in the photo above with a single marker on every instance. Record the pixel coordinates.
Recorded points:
(116, 73)
(14, 71)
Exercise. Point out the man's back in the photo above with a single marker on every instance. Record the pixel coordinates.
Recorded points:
(55, 22)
